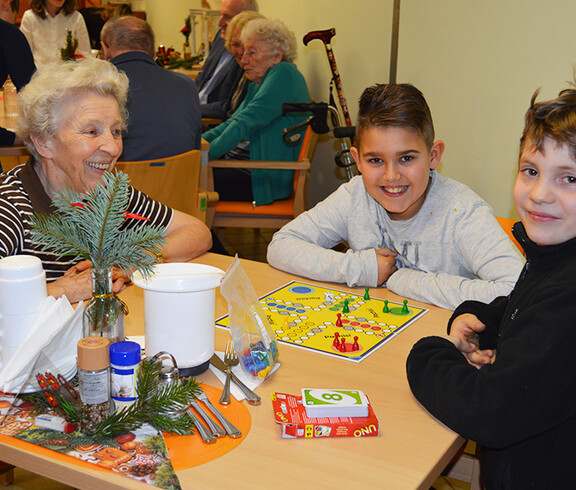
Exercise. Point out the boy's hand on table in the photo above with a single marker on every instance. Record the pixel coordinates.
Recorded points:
(464, 335)
(386, 260)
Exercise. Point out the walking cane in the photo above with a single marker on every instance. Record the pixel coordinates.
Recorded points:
(325, 36)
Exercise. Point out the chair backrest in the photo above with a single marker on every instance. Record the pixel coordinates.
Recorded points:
(507, 224)
(10, 156)
(243, 215)
(300, 176)
(172, 181)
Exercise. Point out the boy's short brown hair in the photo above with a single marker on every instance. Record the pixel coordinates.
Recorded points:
(395, 104)
(554, 119)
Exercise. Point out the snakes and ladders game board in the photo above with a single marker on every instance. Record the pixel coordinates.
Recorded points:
(332, 322)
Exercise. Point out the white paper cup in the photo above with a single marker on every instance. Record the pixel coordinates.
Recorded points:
(22, 285)
(22, 295)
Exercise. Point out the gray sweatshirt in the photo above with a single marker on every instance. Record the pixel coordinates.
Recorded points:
(452, 250)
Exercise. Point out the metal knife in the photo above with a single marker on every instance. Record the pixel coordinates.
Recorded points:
(213, 426)
(230, 429)
(252, 397)
(205, 434)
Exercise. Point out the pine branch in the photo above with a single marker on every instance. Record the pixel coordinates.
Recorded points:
(155, 405)
(148, 379)
(182, 425)
(122, 422)
(90, 226)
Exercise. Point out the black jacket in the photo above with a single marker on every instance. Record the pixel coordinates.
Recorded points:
(521, 408)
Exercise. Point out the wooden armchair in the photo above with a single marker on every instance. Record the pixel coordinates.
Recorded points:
(172, 181)
(235, 214)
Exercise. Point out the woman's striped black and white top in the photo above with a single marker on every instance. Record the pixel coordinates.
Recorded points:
(22, 194)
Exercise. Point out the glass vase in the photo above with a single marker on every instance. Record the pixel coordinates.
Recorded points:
(104, 314)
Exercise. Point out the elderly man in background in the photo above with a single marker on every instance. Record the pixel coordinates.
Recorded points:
(163, 105)
(221, 74)
(16, 58)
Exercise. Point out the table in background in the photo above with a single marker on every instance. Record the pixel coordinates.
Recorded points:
(410, 452)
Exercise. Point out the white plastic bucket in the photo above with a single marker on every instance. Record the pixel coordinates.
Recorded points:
(179, 312)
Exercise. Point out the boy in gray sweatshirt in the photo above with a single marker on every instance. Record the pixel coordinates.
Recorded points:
(424, 236)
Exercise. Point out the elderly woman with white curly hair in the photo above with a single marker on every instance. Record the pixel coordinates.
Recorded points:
(255, 130)
(71, 120)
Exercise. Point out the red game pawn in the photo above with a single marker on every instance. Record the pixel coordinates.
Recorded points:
(339, 320)
(355, 345)
(336, 342)
(343, 346)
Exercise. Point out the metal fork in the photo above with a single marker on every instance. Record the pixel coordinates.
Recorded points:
(231, 360)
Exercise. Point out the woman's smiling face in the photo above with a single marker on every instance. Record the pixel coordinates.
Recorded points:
(88, 142)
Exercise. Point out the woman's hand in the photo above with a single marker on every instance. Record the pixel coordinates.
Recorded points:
(76, 283)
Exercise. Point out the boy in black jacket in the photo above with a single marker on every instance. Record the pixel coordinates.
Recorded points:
(506, 374)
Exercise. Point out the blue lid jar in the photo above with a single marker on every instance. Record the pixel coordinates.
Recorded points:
(124, 362)
(125, 353)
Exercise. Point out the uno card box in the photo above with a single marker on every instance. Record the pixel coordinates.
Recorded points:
(289, 411)
(334, 403)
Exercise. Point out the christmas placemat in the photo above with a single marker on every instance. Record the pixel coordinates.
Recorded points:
(143, 454)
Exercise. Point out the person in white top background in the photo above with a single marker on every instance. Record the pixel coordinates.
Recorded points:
(45, 26)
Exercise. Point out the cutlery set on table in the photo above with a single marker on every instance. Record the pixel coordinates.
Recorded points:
(212, 431)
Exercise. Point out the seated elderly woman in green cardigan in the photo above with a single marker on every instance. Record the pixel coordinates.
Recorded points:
(255, 130)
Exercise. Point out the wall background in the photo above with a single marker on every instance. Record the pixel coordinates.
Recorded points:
(477, 63)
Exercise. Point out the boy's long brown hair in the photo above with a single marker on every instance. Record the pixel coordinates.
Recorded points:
(395, 104)
(39, 7)
(554, 119)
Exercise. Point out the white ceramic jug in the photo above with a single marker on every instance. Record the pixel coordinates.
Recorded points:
(179, 309)
(22, 295)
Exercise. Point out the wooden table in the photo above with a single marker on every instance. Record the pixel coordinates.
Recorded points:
(410, 452)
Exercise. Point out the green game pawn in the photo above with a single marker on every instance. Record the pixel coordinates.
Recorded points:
(386, 309)
(405, 310)
(367, 294)
(345, 309)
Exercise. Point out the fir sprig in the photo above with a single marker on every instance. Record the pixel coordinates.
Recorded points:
(93, 226)
(163, 407)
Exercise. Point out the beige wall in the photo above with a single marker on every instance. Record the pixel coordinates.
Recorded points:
(477, 63)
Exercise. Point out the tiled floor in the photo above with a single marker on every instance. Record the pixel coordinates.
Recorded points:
(248, 244)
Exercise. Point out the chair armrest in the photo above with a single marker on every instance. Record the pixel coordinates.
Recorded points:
(210, 196)
(211, 121)
(303, 165)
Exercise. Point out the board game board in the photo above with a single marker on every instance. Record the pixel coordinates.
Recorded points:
(308, 316)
